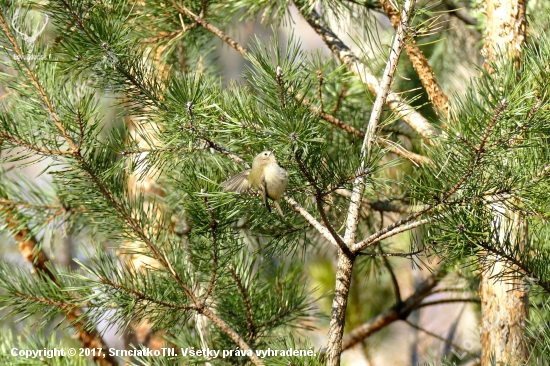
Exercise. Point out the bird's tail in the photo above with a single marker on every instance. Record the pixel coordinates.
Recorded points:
(278, 207)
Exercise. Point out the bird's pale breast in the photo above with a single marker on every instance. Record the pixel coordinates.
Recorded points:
(276, 179)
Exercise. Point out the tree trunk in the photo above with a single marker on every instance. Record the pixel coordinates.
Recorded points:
(339, 306)
(505, 29)
(504, 309)
(504, 302)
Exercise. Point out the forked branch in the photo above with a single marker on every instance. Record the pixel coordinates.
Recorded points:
(345, 261)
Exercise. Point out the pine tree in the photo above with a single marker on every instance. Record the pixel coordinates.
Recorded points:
(123, 109)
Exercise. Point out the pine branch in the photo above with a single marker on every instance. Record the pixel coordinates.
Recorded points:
(209, 27)
(32, 253)
(330, 118)
(322, 114)
(354, 64)
(397, 226)
(36, 149)
(200, 306)
(319, 201)
(420, 64)
(232, 334)
(514, 261)
(73, 148)
(381, 96)
(143, 296)
(108, 51)
(251, 327)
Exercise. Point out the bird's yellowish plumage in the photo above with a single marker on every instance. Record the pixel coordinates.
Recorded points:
(265, 175)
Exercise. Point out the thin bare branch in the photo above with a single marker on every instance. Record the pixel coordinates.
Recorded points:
(396, 312)
(409, 254)
(370, 135)
(447, 301)
(312, 221)
(400, 229)
(442, 339)
(382, 206)
(394, 281)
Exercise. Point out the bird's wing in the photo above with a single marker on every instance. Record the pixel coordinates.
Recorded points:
(238, 183)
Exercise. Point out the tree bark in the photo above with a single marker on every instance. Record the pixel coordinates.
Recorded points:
(504, 309)
(504, 302)
(505, 29)
(339, 306)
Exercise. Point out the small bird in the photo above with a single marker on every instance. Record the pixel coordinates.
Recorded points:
(266, 176)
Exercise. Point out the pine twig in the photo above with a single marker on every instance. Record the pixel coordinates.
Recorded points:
(396, 289)
(341, 97)
(251, 327)
(319, 200)
(144, 297)
(36, 149)
(209, 27)
(376, 254)
(213, 228)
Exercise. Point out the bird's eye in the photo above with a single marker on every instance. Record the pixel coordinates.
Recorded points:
(265, 154)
